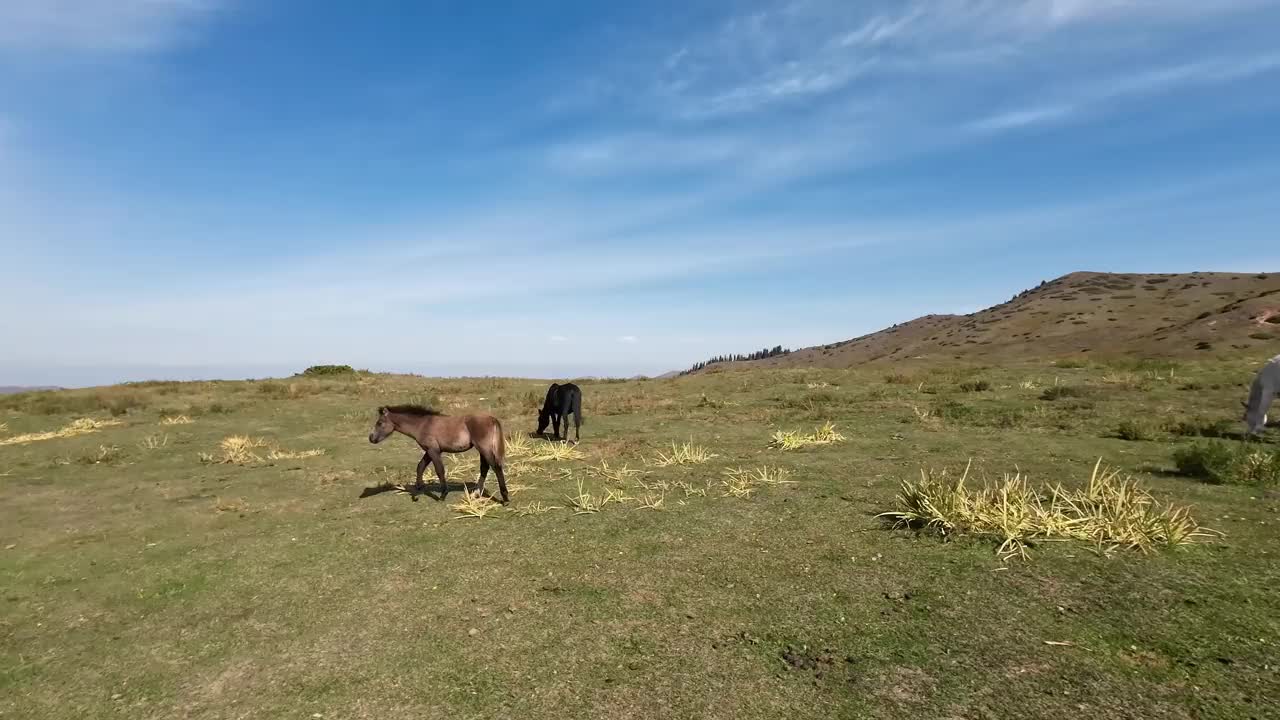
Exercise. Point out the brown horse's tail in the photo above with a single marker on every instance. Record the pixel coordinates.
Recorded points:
(499, 445)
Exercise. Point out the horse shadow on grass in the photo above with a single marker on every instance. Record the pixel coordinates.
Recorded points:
(431, 490)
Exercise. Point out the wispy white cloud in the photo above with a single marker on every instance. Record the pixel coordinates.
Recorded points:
(375, 299)
(873, 82)
(779, 53)
(1021, 118)
(558, 338)
(99, 25)
(1098, 95)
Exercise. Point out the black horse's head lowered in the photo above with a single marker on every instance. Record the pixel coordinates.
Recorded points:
(561, 401)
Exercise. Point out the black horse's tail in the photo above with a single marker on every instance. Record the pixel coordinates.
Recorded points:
(577, 408)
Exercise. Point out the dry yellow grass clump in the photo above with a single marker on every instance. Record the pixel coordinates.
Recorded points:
(620, 475)
(584, 502)
(241, 450)
(742, 482)
(154, 442)
(652, 501)
(1113, 512)
(519, 446)
(795, 440)
(686, 454)
(83, 426)
(278, 454)
(553, 452)
(474, 505)
(535, 508)
(237, 450)
(175, 420)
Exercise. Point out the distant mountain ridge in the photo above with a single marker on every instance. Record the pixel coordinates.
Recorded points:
(1083, 314)
(11, 389)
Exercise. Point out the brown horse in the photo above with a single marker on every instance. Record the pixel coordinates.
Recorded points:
(438, 434)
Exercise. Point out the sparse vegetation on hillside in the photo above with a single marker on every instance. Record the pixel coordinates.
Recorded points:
(764, 354)
(1080, 317)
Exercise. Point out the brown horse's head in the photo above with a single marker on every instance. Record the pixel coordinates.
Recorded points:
(382, 427)
(544, 419)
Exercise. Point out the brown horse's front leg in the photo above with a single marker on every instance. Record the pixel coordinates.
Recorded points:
(439, 466)
(422, 467)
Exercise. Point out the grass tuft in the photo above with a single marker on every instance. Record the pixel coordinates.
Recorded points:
(584, 502)
(618, 475)
(796, 440)
(474, 505)
(651, 501)
(616, 495)
(239, 450)
(686, 454)
(175, 420)
(549, 452)
(103, 455)
(278, 454)
(1057, 392)
(535, 508)
(83, 426)
(742, 482)
(154, 442)
(1113, 512)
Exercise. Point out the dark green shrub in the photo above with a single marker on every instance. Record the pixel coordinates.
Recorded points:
(323, 370)
(1133, 430)
(1200, 427)
(975, 386)
(1062, 391)
(1219, 463)
(952, 410)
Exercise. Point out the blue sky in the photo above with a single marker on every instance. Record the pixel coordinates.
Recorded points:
(228, 188)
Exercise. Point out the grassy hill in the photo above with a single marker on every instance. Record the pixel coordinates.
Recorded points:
(226, 549)
(1085, 314)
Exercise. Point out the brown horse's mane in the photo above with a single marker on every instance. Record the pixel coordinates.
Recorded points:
(418, 410)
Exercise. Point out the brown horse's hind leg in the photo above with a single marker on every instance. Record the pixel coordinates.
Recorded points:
(439, 466)
(484, 472)
(502, 482)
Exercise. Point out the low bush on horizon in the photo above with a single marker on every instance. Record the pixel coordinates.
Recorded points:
(325, 370)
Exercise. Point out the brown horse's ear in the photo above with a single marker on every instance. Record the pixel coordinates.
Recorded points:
(382, 410)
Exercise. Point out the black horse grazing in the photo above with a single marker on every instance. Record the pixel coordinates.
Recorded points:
(561, 400)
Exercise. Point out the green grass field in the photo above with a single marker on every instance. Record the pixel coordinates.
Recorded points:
(143, 577)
